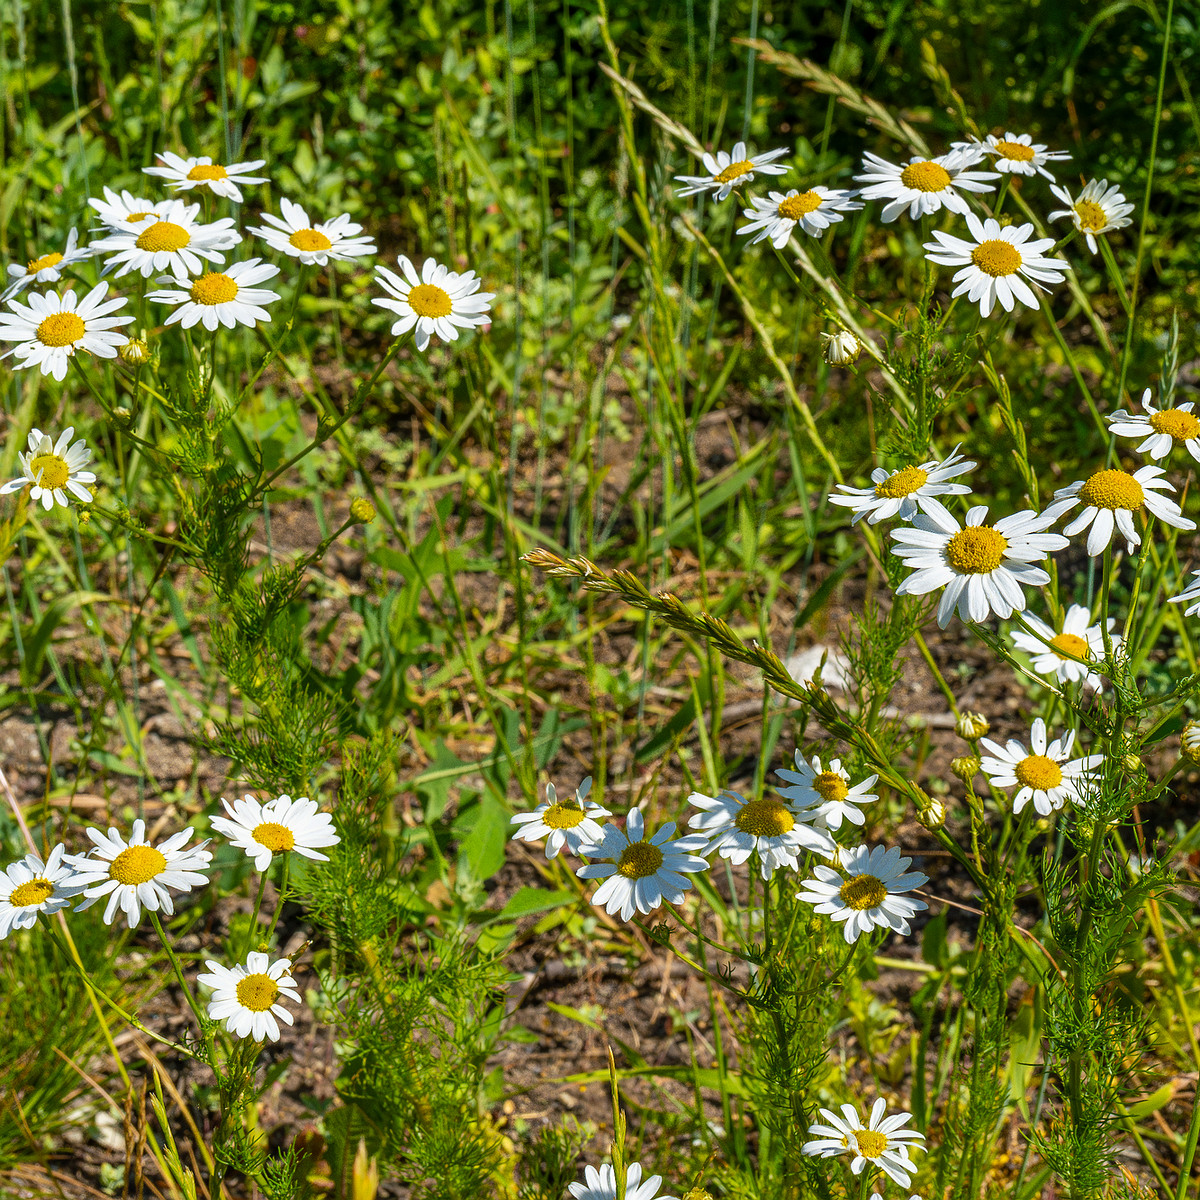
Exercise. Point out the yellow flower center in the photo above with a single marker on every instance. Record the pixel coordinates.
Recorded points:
(795, 207)
(1072, 645)
(35, 891)
(996, 257)
(203, 172)
(163, 235)
(735, 170)
(863, 891)
(765, 818)
(925, 177)
(902, 483)
(429, 300)
(829, 785)
(1038, 772)
(562, 816)
(138, 864)
(60, 329)
(976, 550)
(274, 836)
(871, 1143)
(213, 287)
(1017, 151)
(1092, 218)
(310, 239)
(47, 260)
(50, 471)
(257, 992)
(1113, 489)
(1182, 426)
(639, 860)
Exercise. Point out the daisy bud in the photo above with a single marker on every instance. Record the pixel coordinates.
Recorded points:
(841, 347)
(933, 814)
(1132, 764)
(971, 726)
(966, 767)
(136, 352)
(1189, 742)
(362, 510)
(697, 1193)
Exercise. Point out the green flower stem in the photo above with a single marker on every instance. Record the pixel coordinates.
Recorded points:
(262, 884)
(183, 983)
(283, 882)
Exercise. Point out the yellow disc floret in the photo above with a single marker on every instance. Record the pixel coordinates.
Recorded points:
(138, 864)
(1181, 425)
(61, 329)
(41, 264)
(902, 483)
(735, 170)
(214, 287)
(1113, 489)
(257, 992)
(976, 550)
(163, 235)
(639, 860)
(309, 239)
(795, 207)
(1017, 151)
(925, 177)
(1091, 216)
(1038, 772)
(274, 836)
(765, 818)
(1072, 645)
(871, 1143)
(203, 172)
(830, 786)
(429, 300)
(33, 891)
(996, 257)
(562, 816)
(863, 891)
(50, 471)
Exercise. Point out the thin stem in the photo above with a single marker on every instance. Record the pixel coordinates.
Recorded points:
(183, 983)
(262, 884)
(283, 882)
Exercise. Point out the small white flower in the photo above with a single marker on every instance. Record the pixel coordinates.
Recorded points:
(827, 790)
(1019, 154)
(30, 886)
(643, 873)
(184, 174)
(923, 185)
(247, 997)
(882, 1142)
(47, 268)
(136, 873)
(602, 1184)
(173, 241)
(50, 329)
(1110, 498)
(1046, 774)
(296, 235)
(724, 172)
(1189, 596)
(570, 823)
(126, 209)
(277, 827)
(840, 348)
(1077, 638)
(982, 567)
(904, 492)
(1098, 209)
(437, 301)
(999, 264)
(871, 895)
(1163, 428)
(813, 211)
(226, 298)
(54, 469)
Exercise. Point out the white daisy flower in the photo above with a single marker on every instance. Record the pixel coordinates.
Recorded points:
(173, 241)
(1019, 154)
(226, 298)
(1110, 498)
(982, 567)
(136, 873)
(277, 827)
(923, 185)
(1077, 638)
(904, 492)
(30, 886)
(566, 822)
(827, 790)
(778, 832)
(296, 235)
(1000, 264)
(247, 997)
(814, 211)
(184, 174)
(1100, 208)
(871, 894)
(54, 469)
(1163, 428)
(1046, 774)
(840, 348)
(882, 1142)
(437, 301)
(48, 268)
(602, 1184)
(50, 329)
(1189, 596)
(116, 210)
(724, 172)
(644, 873)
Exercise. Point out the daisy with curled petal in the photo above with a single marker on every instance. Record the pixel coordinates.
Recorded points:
(247, 997)
(882, 1141)
(1163, 428)
(813, 211)
(125, 209)
(901, 493)
(1098, 209)
(226, 298)
(184, 174)
(54, 469)
(724, 172)
(999, 264)
(437, 301)
(137, 874)
(48, 268)
(1110, 498)
(30, 886)
(277, 827)
(50, 329)
(982, 567)
(1018, 154)
(174, 240)
(827, 791)
(643, 873)
(567, 822)
(1077, 638)
(294, 234)
(871, 895)
(777, 832)
(1189, 596)
(602, 1184)
(1045, 774)
(923, 185)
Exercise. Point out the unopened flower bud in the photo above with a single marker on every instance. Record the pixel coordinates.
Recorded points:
(362, 510)
(971, 725)
(1132, 764)
(933, 815)
(697, 1193)
(122, 414)
(136, 352)
(966, 767)
(841, 347)
(1189, 742)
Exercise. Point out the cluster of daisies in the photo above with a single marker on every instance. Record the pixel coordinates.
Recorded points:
(997, 263)
(136, 873)
(170, 240)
